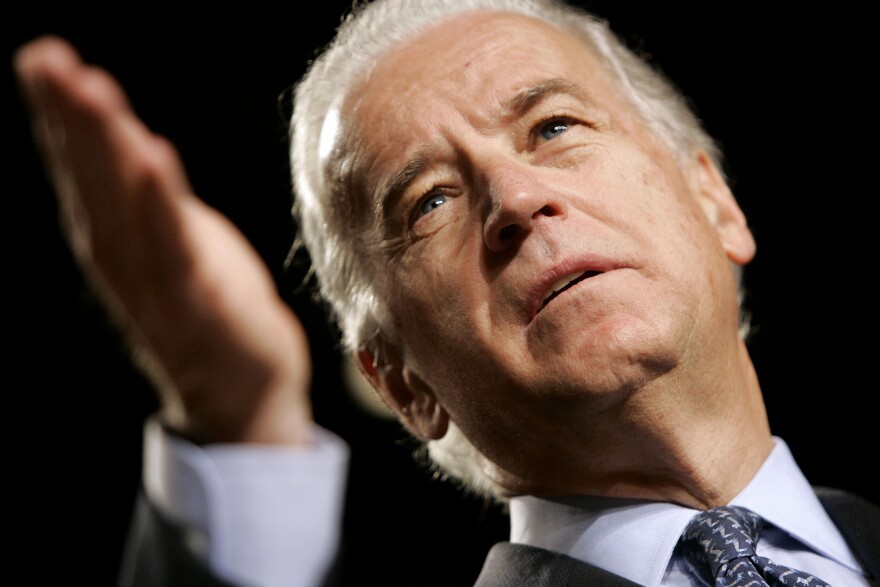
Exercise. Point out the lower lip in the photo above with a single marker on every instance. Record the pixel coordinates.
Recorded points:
(572, 284)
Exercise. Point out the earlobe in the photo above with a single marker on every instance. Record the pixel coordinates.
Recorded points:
(405, 393)
(722, 210)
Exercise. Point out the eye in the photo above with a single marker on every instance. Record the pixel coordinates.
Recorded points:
(553, 128)
(430, 202)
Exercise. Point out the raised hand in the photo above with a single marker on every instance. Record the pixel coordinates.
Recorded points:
(228, 358)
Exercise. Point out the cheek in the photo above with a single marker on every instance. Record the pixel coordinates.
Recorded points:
(438, 278)
(429, 304)
(668, 208)
(437, 316)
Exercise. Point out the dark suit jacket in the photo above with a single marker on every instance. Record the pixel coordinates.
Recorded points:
(157, 557)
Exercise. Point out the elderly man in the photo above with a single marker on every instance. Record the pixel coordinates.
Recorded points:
(534, 257)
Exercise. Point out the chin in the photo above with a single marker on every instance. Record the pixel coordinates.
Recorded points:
(615, 355)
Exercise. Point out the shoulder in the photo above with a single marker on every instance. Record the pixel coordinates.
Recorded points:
(848, 507)
(858, 520)
(518, 565)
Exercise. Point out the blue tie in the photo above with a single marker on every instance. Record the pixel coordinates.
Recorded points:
(725, 539)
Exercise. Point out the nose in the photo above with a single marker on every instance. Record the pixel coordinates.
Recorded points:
(519, 200)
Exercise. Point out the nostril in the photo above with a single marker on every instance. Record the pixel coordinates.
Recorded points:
(547, 211)
(508, 232)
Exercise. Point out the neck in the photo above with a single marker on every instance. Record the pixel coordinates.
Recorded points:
(694, 440)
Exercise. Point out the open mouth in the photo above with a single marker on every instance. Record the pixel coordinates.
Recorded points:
(564, 284)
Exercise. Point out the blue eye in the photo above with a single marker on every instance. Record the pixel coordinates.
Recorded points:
(430, 202)
(553, 129)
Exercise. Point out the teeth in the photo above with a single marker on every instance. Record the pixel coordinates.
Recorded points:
(561, 284)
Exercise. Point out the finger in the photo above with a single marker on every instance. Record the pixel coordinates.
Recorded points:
(113, 177)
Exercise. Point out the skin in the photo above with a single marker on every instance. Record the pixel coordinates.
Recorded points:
(611, 389)
(228, 359)
(618, 384)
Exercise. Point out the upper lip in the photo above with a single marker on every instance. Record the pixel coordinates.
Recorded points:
(559, 277)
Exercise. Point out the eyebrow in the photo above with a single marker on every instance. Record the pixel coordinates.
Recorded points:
(528, 98)
(392, 192)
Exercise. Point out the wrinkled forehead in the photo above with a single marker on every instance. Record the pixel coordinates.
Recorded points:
(467, 70)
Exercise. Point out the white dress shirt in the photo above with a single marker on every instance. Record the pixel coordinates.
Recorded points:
(637, 539)
(261, 516)
(271, 516)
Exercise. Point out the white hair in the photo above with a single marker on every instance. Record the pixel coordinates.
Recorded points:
(326, 207)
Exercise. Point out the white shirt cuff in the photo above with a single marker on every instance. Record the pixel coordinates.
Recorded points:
(261, 515)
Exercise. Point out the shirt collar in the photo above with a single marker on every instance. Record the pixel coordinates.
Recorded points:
(781, 495)
(635, 539)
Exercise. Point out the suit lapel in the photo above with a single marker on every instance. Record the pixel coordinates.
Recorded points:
(517, 565)
(858, 521)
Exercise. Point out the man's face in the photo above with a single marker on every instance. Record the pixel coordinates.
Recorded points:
(547, 258)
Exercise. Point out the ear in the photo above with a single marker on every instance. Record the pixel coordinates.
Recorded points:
(721, 209)
(404, 392)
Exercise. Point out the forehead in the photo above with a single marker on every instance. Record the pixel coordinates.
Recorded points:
(457, 54)
(465, 70)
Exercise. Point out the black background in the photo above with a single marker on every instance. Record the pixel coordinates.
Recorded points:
(786, 92)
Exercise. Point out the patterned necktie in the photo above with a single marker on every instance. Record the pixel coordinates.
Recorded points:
(725, 538)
